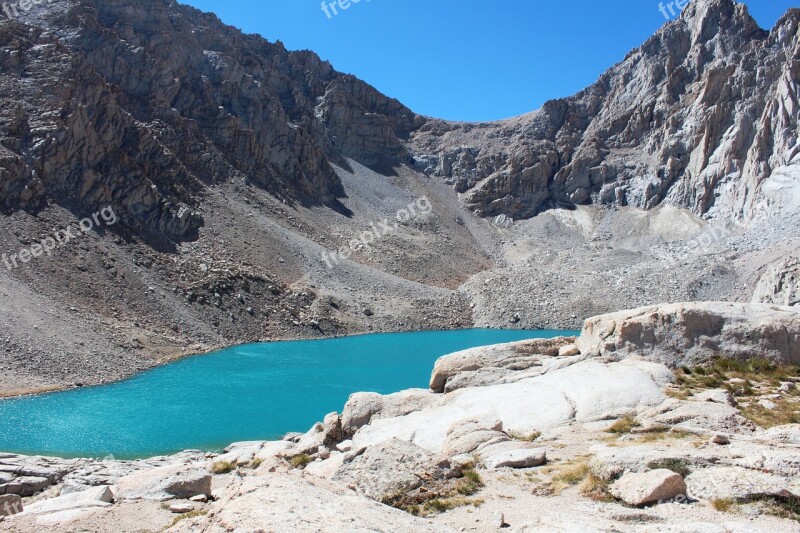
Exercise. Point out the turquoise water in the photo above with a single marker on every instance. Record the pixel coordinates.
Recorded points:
(250, 392)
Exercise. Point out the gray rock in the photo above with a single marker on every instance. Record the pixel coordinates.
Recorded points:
(735, 482)
(520, 458)
(689, 333)
(569, 350)
(489, 364)
(181, 508)
(164, 483)
(25, 486)
(715, 396)
(94, 497)
(390, 467)
(648, 487)
(10, 504)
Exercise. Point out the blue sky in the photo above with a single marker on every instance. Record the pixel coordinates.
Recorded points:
(470, 59)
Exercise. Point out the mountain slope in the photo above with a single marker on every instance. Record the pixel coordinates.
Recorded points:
(702, 116)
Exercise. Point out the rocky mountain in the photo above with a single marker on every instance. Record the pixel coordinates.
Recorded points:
(144, 104)
(234, 168)
(703, 116)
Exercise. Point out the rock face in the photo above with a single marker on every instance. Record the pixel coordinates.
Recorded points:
(164, 483)
(688, 333)
(585, 391)
(780, 283)
(649, 487)
(681, 121)
(142, 105)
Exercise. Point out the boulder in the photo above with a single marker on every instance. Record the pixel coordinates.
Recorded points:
(164, 483)
(568, 351)
(363, 407)
(390, 467)
(490, 364)
(93, 497)
(735, 482)
(10, 504)
(470, 435)
(648, 487)
(25, 486)
(691, 333)
(324, 434)
(520, 458)
(610, 463)
(780, 283)
(181, 508)
(715, 396)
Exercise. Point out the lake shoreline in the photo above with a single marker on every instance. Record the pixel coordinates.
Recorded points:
(172, 355)
(252, 391)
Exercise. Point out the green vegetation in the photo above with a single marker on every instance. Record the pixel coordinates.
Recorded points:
(788, 507)
(723, 505)
(626, 424)
(223, 467)
(186, 516)
(746, 380)
(572, 473)
(438, 497)
(679, 466)
(300, 461)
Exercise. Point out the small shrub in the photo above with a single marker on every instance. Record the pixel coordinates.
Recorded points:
(300, 461)
(572, 474)
(470, 483)
(723, 505)
(256, 462)
(223, 467)
(442, 505)
(595, 488)
(679, 466)
(186, 516)
(623, 425)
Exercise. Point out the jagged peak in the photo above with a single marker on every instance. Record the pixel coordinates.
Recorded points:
(707, 18)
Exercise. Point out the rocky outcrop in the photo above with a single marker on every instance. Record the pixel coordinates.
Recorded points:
(780, 283)
(680, 334)
(490, 364)
(527, 406)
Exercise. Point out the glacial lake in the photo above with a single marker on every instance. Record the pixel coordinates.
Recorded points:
(250, 392)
